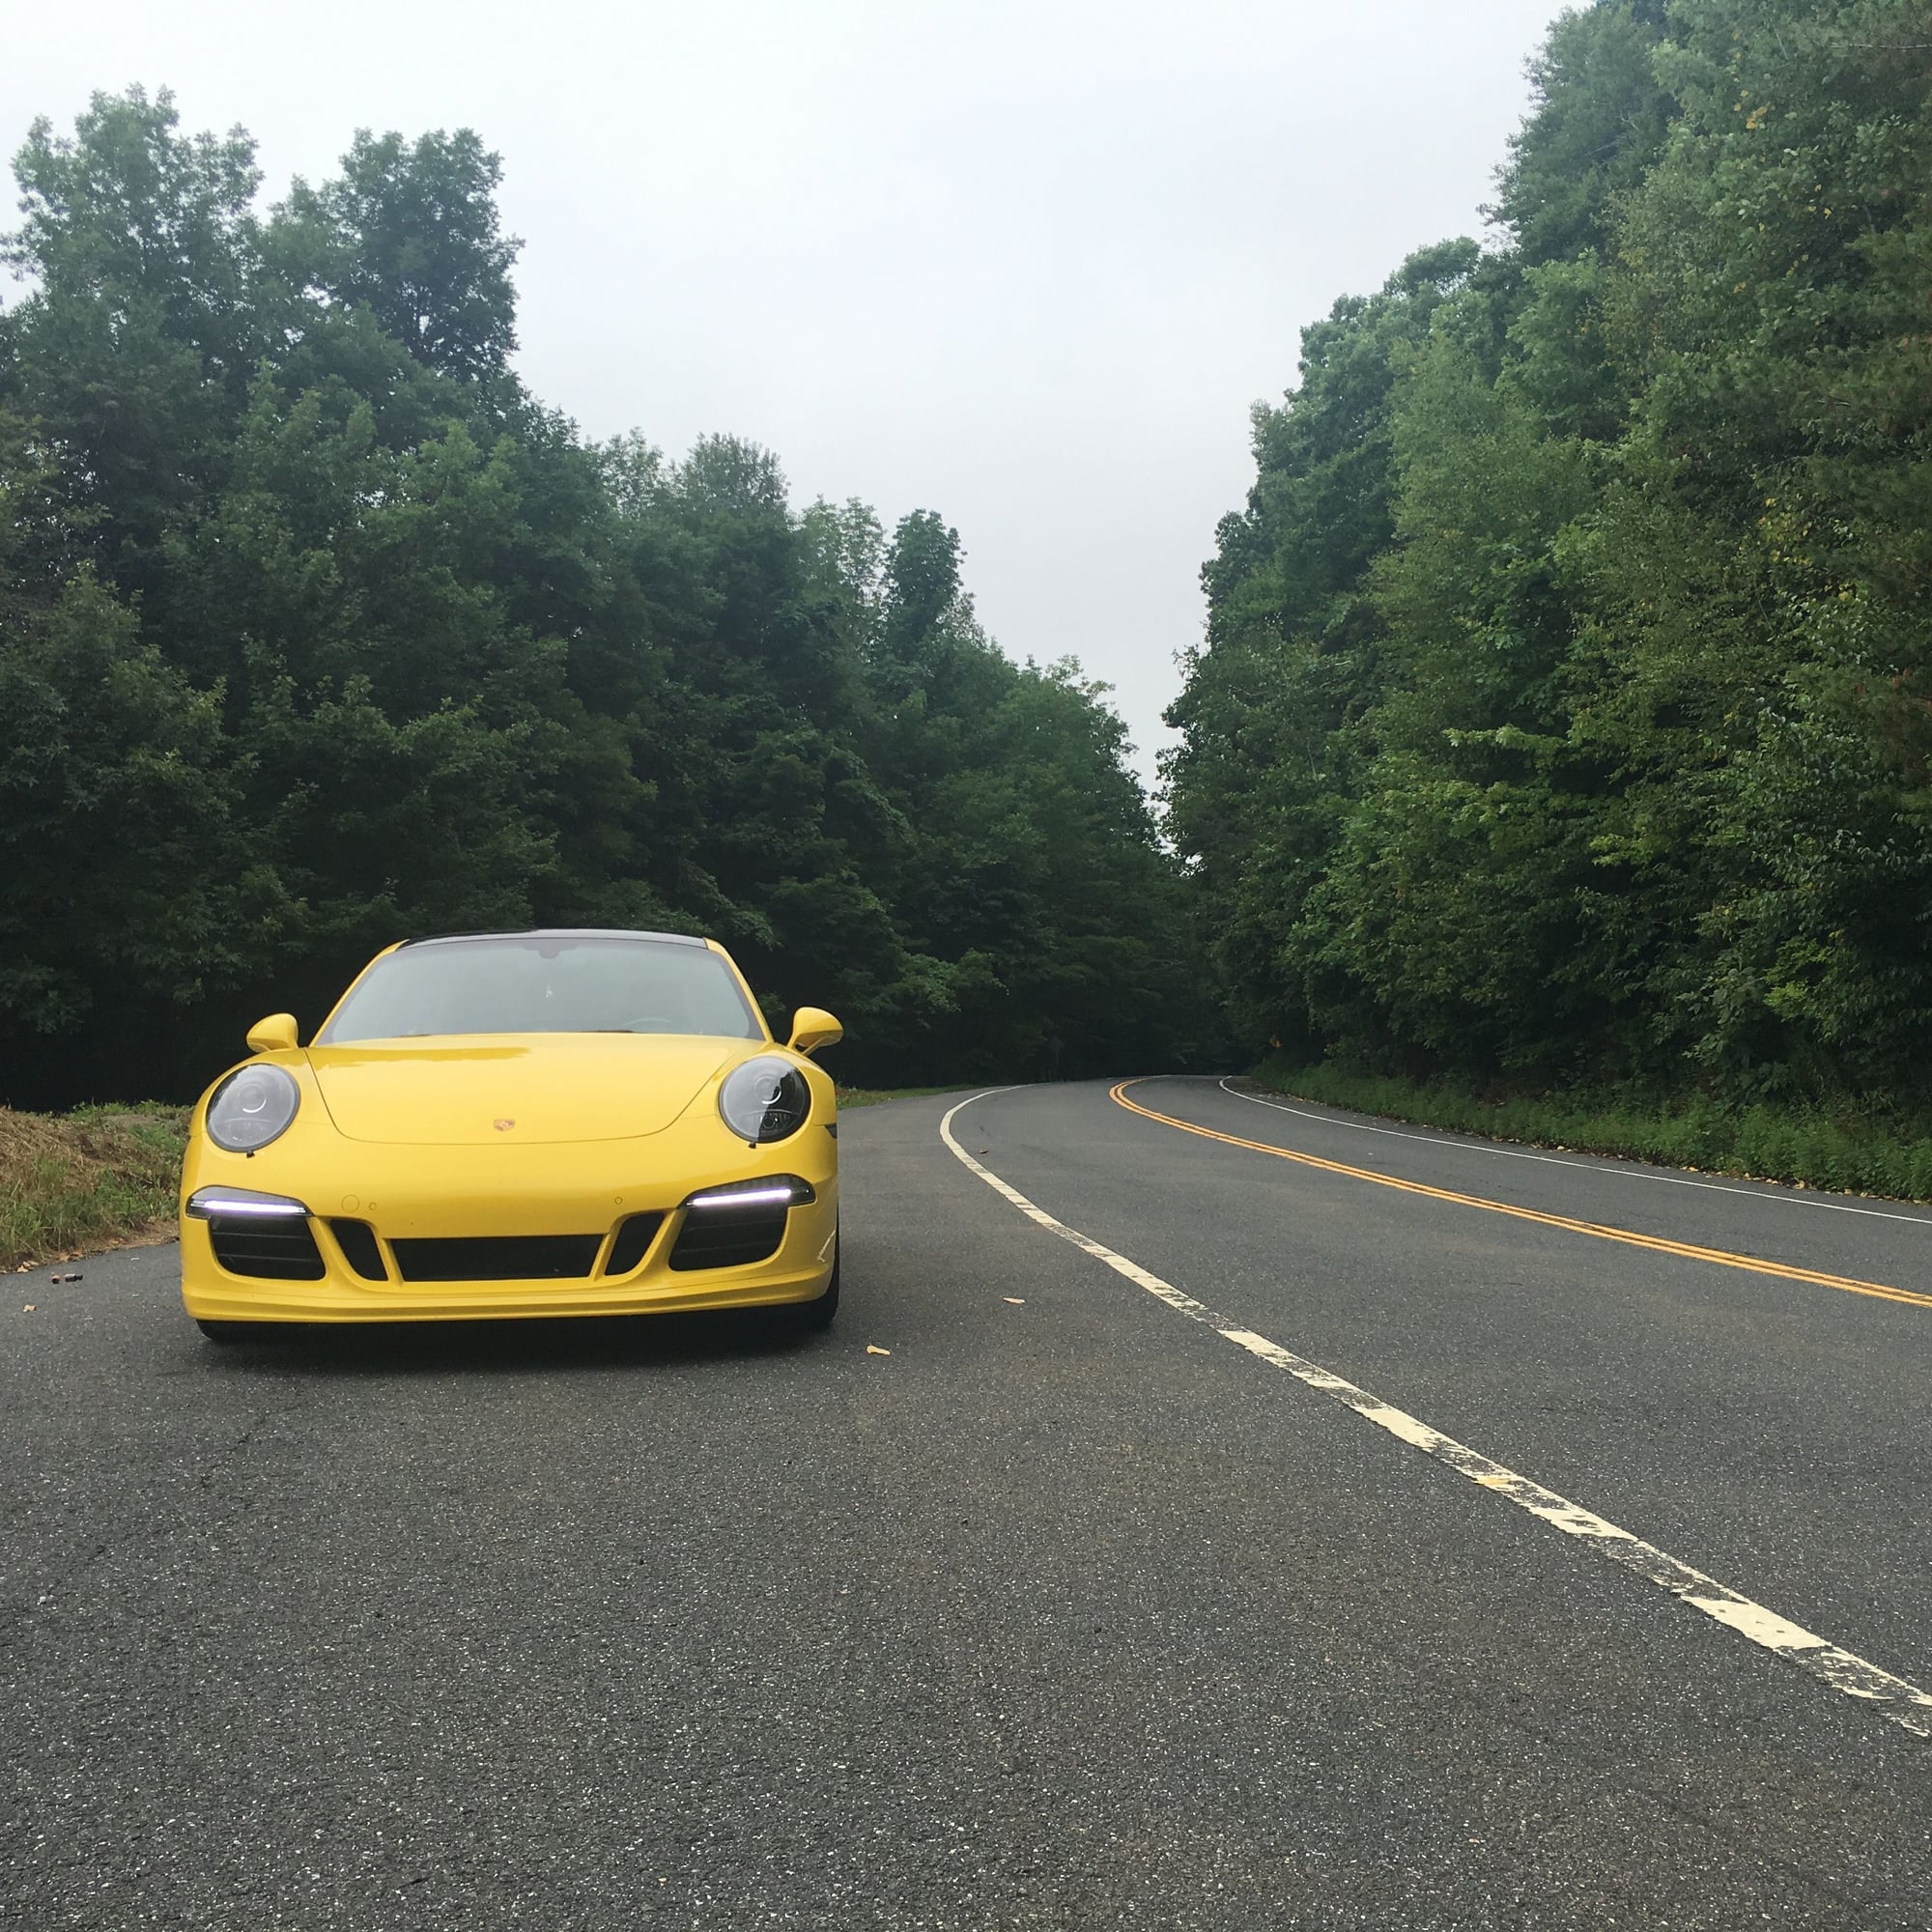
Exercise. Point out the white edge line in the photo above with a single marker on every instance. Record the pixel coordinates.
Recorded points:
(1891, 1697)
(1441, 1138)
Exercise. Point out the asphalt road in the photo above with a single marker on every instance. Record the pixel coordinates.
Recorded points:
(1065, 1612)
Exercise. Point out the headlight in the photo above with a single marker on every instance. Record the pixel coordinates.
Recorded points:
(252, 1107)
(764, 1099)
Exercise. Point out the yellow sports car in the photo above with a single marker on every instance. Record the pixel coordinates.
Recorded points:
(514, 1124)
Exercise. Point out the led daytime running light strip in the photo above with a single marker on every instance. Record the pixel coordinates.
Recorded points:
(790, 1192)
(229, 1203)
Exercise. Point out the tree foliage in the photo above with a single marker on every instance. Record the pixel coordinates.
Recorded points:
(1564, 713)
(410, 231)
(317, 630)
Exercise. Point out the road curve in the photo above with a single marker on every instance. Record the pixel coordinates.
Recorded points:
(1061, 1612)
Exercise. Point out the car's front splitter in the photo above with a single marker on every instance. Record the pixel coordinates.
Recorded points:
(799, 1272)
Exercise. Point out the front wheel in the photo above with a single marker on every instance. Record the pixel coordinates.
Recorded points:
(811, 1318)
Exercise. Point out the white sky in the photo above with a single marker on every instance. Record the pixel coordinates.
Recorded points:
(1027, 265)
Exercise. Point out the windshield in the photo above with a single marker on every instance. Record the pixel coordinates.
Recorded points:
(544, 982)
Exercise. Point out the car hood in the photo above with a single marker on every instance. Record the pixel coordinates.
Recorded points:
(517, 1089)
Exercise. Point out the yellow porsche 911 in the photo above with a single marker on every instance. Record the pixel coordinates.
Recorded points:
(519, 1123)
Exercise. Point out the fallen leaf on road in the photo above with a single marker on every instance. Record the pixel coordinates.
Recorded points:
(28, 1309)
(1018, 1300)
(872, 1348)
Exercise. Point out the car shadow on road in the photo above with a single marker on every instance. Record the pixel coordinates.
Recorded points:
(581, 1342)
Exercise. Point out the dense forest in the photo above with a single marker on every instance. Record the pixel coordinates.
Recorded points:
(316, 631)
(1565, 713)
(1563, 719)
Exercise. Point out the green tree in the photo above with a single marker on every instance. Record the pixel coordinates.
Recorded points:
(317, 630)
(1258, 788)
(410, 230)
(134, 349)
(1588, 738)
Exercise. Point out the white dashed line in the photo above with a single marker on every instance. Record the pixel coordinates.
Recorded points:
(1891, 1697)
(1443, 1139)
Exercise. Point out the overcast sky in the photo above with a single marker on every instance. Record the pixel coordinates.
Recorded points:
(1023, 262)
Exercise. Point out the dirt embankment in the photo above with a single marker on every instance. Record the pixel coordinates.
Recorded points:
(94, 1179)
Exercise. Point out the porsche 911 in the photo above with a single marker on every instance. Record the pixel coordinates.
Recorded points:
(519, 1123)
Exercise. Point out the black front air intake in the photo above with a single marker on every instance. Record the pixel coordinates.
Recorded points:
(633, 1243)
(278, 1249)
(729, 1236)
(498, 1258)
(359, 1249)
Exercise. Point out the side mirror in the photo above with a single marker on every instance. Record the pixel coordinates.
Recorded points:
(274, 1034)
(812, 1026)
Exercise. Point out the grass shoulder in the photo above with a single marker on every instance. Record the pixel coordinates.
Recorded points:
(874, 1096)
(74, 1183)
(1801, 1148)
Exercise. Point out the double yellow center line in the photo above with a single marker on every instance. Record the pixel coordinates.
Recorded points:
(1629, 1237)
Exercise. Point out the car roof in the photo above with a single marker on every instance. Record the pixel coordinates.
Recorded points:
(561, 932)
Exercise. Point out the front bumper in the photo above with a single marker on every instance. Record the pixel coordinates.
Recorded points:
(478, 1196)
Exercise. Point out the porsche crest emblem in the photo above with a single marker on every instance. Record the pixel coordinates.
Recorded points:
(502, 1126)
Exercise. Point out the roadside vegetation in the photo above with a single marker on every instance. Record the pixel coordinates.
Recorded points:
(1852, 1156)
(1564, 723)
(72, 1183)
(873, 1096)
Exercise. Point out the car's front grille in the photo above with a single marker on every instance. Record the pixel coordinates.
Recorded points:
(716, 1237)
(269, 1250)
(498, 1258)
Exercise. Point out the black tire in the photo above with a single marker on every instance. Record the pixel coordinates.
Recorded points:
(813, 1317)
